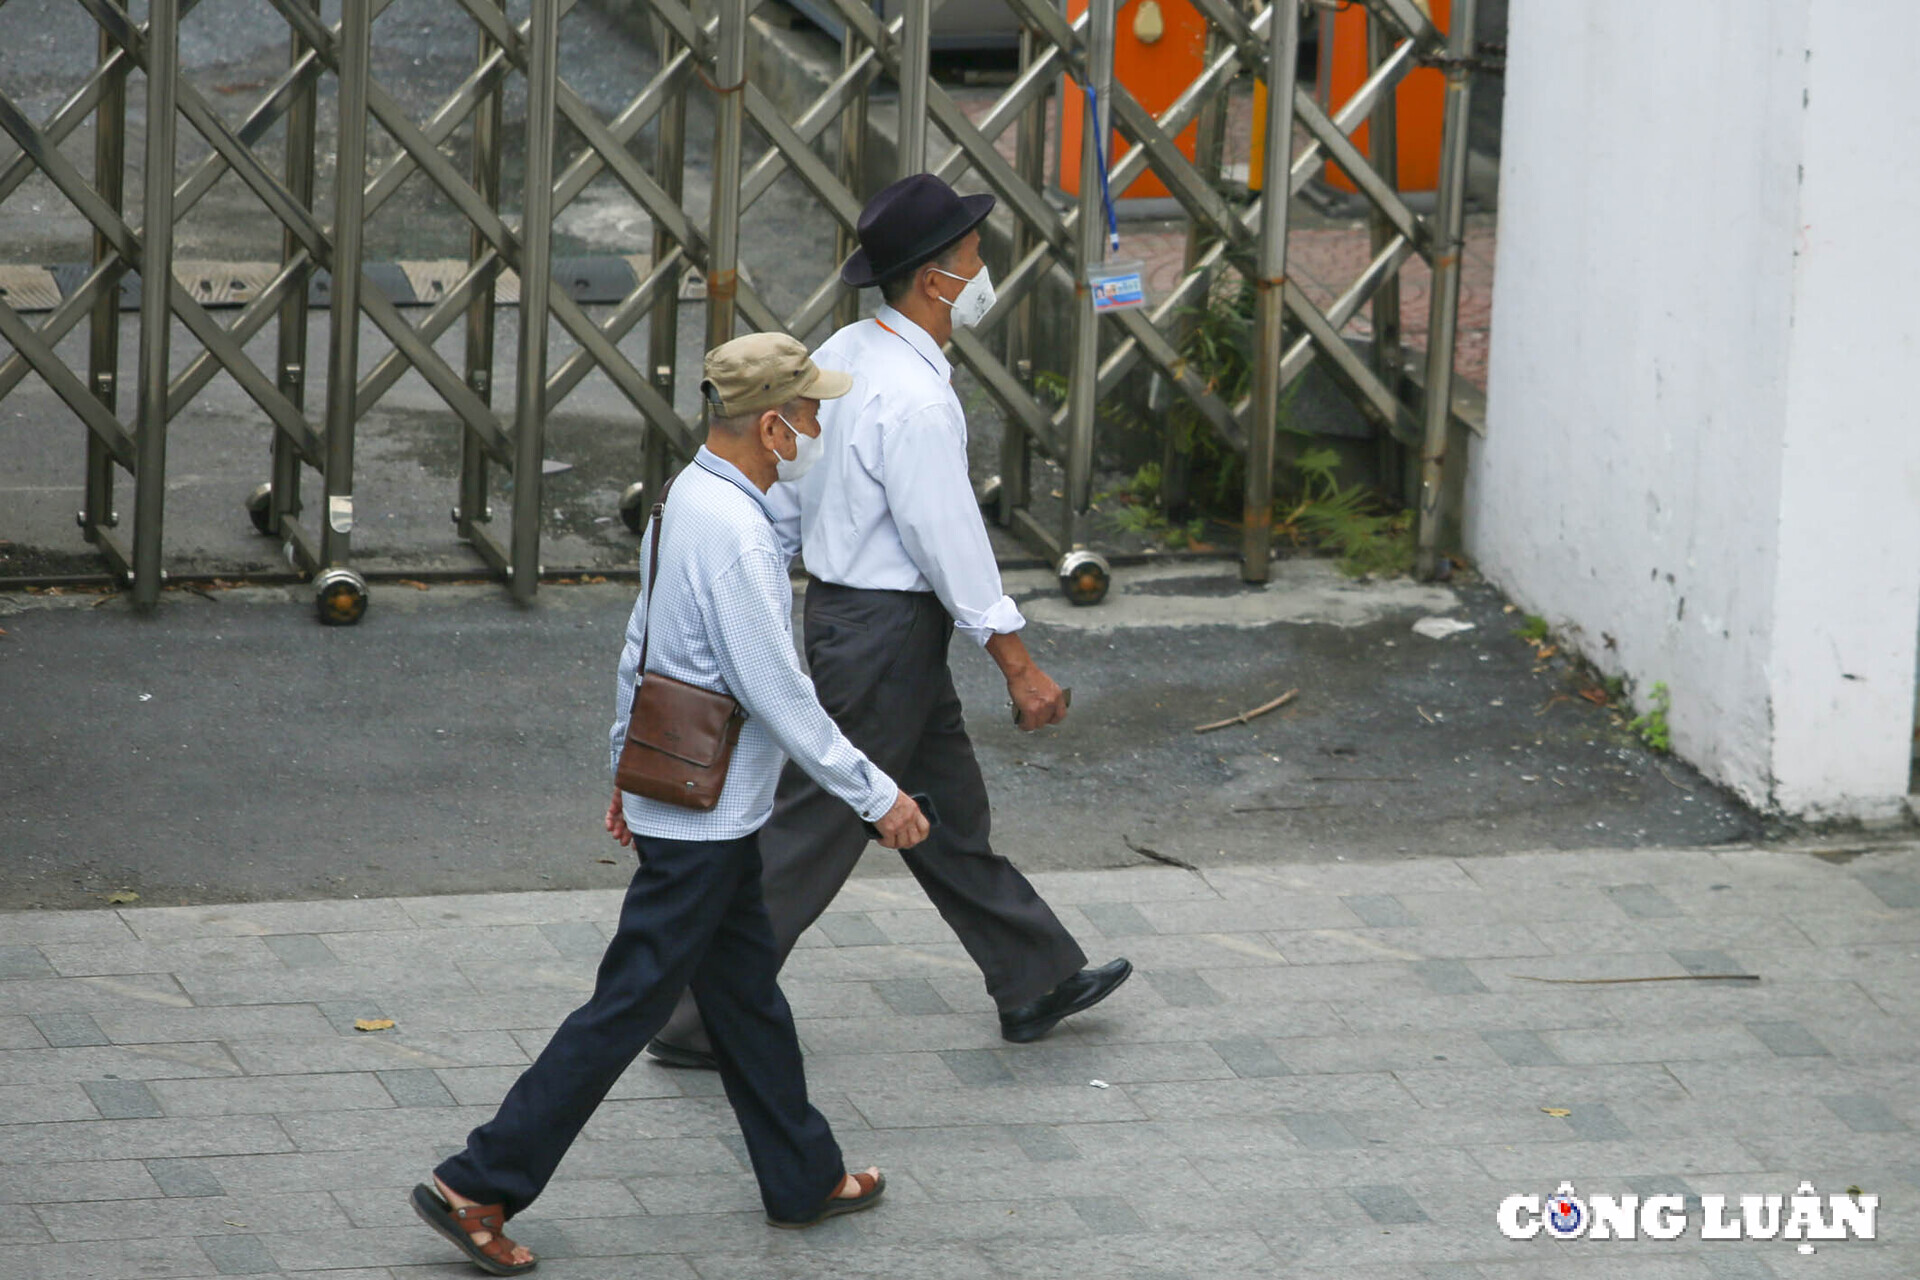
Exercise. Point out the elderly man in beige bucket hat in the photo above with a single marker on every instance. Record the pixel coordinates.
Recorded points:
(714, 612)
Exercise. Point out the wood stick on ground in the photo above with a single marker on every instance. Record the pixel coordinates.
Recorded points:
(1671, 977)
(1245, 716)
(1156, 855)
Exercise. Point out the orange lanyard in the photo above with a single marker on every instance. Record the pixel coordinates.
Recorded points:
(903, 337)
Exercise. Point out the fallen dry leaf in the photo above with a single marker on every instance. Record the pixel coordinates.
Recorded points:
(415, 583)
(1558, 1113)
(373, 1024)
(609, 861)
(1596, 695)
(119, 896)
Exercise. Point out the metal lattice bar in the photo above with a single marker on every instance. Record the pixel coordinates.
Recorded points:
(705, 50)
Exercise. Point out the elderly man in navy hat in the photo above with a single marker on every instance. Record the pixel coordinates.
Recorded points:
(899, 557)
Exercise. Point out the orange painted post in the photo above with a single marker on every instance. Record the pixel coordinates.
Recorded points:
(1159, 49)
(1420, 101)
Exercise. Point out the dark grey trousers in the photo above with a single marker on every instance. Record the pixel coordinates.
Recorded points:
(879, 664)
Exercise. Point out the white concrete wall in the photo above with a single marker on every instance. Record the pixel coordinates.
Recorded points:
(1849, 577)
(1684, 414)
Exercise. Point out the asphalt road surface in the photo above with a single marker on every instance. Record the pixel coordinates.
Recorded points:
(228, 748)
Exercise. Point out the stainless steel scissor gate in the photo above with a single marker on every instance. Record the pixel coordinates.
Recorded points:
(307, 500)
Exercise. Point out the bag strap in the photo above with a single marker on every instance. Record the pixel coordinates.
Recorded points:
(653, 571)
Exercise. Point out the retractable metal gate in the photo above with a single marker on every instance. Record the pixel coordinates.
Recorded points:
(703, 49)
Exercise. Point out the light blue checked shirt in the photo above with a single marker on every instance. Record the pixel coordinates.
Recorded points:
(723, 619)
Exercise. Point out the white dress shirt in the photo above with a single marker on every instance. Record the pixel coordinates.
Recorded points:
(889, 506)
(723, 619)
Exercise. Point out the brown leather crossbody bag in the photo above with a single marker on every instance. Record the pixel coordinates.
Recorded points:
(680, 737)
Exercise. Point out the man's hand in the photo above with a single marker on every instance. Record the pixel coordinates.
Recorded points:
(617, 822)
(1037, 700)
(902, 826)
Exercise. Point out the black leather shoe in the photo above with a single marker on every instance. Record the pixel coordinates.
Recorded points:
(1083, 990)
(676, 1055)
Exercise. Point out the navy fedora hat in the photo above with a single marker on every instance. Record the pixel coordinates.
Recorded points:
(909, 222)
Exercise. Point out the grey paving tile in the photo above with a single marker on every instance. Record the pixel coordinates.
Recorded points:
(396, 1047)
(184, 1178)
(1522, 1048)
(24, 962)
(29, 928)
(164, 924)
(575, 939)
(928, 1032)
(52, 1182)
(116, 1062)
(1131, 884)
(17, 1031)
(1679, 1042)
(108, 1260)
(1596, 1122)
(1642, 901)
(1250, 1058)
(1117, 919)
(321, 983)
(1107, 1215)
(141, 1139)
(1864, 1113)
(1381, 910)
(1388, 1205)
(69, 1030)
(492, 946)
(1708, 961)
(239, 1255)
(1238, 915)
(301, 950)
(1319, 1132)
(1734, 1266)
(1222, 1256)
(1451, 1271)
(1160, 952)
(122, 1099)
(416, 1088)
(1448, 977)
(1063, 1060)
(29, 1103)
(977, 1068)
(92, 995)
(853, 929)
(1023, 1104)
(1547, 1163)
(1788, 1040)
(255, 1022)
(1183, 989)
(1043, 1143)
(1898, 891)
(911, 996)
(76, 959)
(256, 1095)
(1378, 1051)
(1443, 1085)
(341, 1015)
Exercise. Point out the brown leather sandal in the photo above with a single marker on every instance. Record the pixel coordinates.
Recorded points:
(872, 1187)
(460, 1226)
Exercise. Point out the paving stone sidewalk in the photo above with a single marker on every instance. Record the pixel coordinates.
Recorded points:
(1334, 1069)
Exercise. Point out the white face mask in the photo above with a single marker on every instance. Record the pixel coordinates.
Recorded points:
(806, 451)
(971, 307)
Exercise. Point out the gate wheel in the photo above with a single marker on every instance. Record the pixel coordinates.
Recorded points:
(260, 508)
(633, 507)
(1085, 576)
(340, 596)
